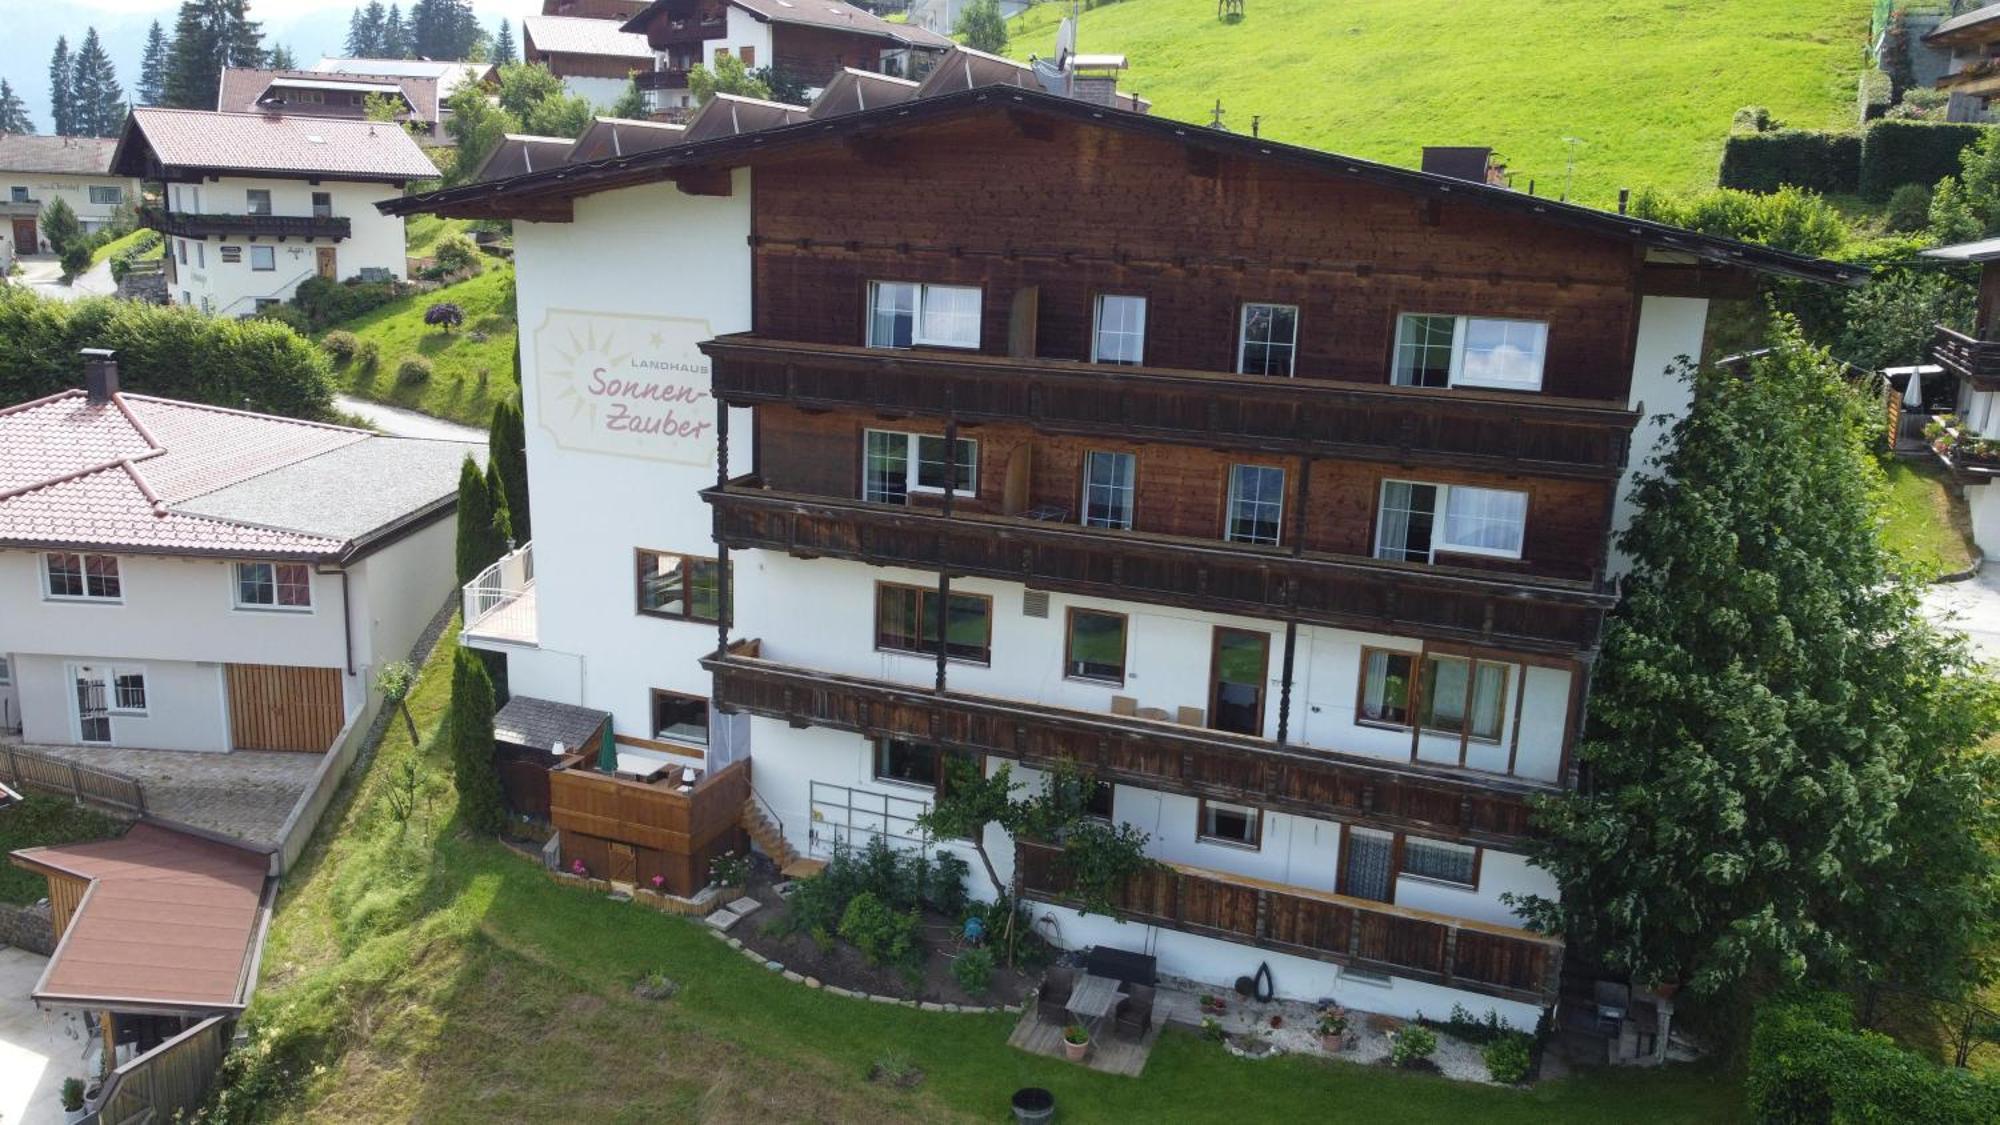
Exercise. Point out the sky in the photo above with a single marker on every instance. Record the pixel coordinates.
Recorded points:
(311, 28)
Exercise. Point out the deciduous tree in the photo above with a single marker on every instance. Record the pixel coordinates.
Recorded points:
(726, 77)
(981, 27)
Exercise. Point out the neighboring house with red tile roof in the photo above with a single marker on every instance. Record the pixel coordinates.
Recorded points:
(257, 202)
(187, 577)
(36, 170)
(312, 93)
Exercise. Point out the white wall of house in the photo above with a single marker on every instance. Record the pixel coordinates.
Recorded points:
(203, 278)
(744, 30)
(394, 593)
(75, 190)
(186, 701)
(1669, 328)
(1983, 502)
(600, 92)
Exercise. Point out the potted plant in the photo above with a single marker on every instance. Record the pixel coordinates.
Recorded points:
(72, 1099)
(1213, 1005)
(1076, 1042)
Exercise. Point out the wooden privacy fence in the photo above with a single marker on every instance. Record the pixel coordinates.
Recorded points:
(88, 785)
(169, 1080)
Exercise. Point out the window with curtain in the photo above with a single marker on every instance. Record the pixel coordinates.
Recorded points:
(1256, 504)
(1469, 351)
(907, 619)
(1441, 861)
(1120, 336)
(897, 464)
(1408, 514)
(1107, 489)
(1484, 521)
(1270, 337)
(1231, 824)
(1463, 696)
(1386, 681)
(905, 313)
(264, 585)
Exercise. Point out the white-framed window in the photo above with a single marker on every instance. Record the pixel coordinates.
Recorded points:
(273, 585)
(201, 255)
(78, 577)
(1256, 504)
(128, 691)
(903, 314)
(1268, 339)
(107, 195)
(17, 194)
(322, 202)
(1434, 350)
(263, 258)
(1119, 335)
(1107, 489)
(1441, 861)
(1239, 825)
(257, 201)
(1418, 521)
(896, 464)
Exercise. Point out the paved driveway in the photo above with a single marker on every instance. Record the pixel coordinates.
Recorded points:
(43, 274)
(1973, 607)
(398, 422)
(37, 1049)
(245, 794)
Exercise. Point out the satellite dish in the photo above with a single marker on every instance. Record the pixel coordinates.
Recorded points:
(1065, 40)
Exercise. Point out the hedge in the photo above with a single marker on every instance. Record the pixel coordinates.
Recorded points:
(1894, 153)
(1875, 94)
(1808, 1065)
(327, 302)
(171, 351)
(1828, 163)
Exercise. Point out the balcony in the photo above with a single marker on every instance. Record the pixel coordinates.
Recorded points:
(629, 829)
(1480, 430)
(1542, 615)
(1502, 961)
(498, 606)
(1967, 357)
(189, 224)
(1441, 803)
(661, 79)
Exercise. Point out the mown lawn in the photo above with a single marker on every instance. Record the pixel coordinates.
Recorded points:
(116, 246)
(1647, 87)
(40, 820)
(421, 232)
(416, 974)
(1926, 521)
(472, 366)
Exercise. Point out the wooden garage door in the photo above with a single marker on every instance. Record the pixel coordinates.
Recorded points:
(274, 707)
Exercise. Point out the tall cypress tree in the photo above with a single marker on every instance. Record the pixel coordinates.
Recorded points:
(13, 114)
(503, 45)
(478, 545)
(62, 113)
(194, 61)
(508, 454)
(97, 102)
(470, 733)
(152, 84)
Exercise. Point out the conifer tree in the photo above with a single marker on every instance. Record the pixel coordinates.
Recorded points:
(194, 59)
(152, 84)
(503, 46)
(482, 528)
(507, 451)
(503, 520)
(470, 731)
(13, 113)
(242, 37)
(97, 101)
(394, 42)
(281, 58)
(62, 113)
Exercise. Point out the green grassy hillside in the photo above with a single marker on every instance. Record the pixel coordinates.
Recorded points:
(473, 366)
(1649, 86)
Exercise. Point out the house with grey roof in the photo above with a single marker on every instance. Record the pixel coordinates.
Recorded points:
(185, 577)
(595, 58)
(312, 93)
(36, 171)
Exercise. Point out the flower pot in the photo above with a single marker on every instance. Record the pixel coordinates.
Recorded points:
(1331, 1044)
(1076, 1051)
(1033, 1105)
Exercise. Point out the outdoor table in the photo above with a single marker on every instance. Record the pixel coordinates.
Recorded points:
(1093, 997)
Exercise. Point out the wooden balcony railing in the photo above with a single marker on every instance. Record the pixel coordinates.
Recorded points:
(661, 79)
(1542, 615)
(1502, 961)
(674, 833)
(1974, 359)
(189, 224)
(1486, 430)
(1195, 761)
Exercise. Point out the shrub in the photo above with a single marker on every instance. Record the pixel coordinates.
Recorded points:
(1413, 1046)
(729, 870)
(1909, 208)
(414, 370)
(974, 970)
(1507, 1058)
(366, 356)
(1876, 92)
(1809, 1064)
(75, 260)
(1754, 119)
(455, 252)
(340, 344)
(946, 891)
(1894, 153)
(327, 302)
(445, 315)
(286, 315)
(72, 1094)
(1765, 161)
(1789, 218)
(883, 935)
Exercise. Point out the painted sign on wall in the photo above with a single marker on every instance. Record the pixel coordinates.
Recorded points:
(633, 386)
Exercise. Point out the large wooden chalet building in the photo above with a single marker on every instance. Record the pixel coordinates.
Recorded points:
(1273, 487)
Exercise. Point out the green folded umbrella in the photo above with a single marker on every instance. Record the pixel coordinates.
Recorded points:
(607, 754)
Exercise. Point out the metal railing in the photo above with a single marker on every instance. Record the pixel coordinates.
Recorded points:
(846, 817)
(496, 602)
(43, 773)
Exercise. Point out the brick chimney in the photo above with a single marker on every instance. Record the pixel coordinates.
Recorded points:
(1460, 162)
(100, 374)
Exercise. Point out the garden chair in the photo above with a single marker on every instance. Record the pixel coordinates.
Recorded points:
(1135, 1012)
(1051, 1003)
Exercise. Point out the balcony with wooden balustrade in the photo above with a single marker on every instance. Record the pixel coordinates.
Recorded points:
(189, 224)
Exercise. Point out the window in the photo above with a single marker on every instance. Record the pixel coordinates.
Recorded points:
(1095, 649)
(1256, 504)
(686, 587)
(257, 201)
(231, 254)
(6, 671)
(128, 692)
(1098, 804)
(1418, 521)
(17, 195)
(86, 577)
(201, 256)
(748, 53)
(906, 620)
(1469, 351)
(680, 718)
(908, 763)
(263, 258)
(1121, 330)
(1269, 339)
(183, 247)
(322, 204)
(904, 313)
(1440, 861)
(1463, 696)
(107, 196)
(1386, 686)
(266, 585)
(1230, 824)
(1107, 489)
(895, 465)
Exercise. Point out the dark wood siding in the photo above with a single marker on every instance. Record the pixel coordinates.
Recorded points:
(274, 707)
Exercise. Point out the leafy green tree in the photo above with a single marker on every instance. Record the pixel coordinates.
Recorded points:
(1780, 774)
(1891, 320)
(381, 107)
(475, 126)
(504, 51)
(1966, 207)
(1790, 218)
(523, 86)
(727, 77)
(152, 83)
(565, 115)
(62, 113)
(470, 729)
(13, 114)
(981, 27)
(482, 534)
(630, 104)
(59, 225)
(97, 101)
(507, 449)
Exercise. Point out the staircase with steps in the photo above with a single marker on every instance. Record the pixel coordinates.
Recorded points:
(770, 839)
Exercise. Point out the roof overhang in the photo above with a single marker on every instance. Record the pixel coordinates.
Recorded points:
(547, 196)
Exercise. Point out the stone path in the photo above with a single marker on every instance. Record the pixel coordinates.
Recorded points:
(1972, 607)
(37, 1049)
(245, 794)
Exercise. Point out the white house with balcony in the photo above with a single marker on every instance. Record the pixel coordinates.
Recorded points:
(255, 203)
(184, 577)
(36, 171)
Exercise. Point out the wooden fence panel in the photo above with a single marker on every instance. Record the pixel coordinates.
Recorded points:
(279, 707)
(25, 769)
(167, 1081)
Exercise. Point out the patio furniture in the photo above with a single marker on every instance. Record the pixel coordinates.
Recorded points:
(1135, 1013)
(1093, 998)
(1053, 1000)
(1121, 964)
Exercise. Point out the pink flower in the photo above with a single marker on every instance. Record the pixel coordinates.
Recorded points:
(659, 881)
(577, 867)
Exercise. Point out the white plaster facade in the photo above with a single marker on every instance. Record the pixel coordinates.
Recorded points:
(96, 200)
(226, 275)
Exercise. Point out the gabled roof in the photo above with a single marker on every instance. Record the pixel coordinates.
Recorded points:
(967, 69)
(1984, 250)
(243, 88)
(826, 15)
(549, 193)
(334, 148)
(520, 153)
(852, 91)
(1966, 21)
(575, 35)
(157, 476)
(80, 156)
(622, 136)
(730, 115)
(448, 75)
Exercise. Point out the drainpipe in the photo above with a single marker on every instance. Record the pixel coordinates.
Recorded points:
(346, 618)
